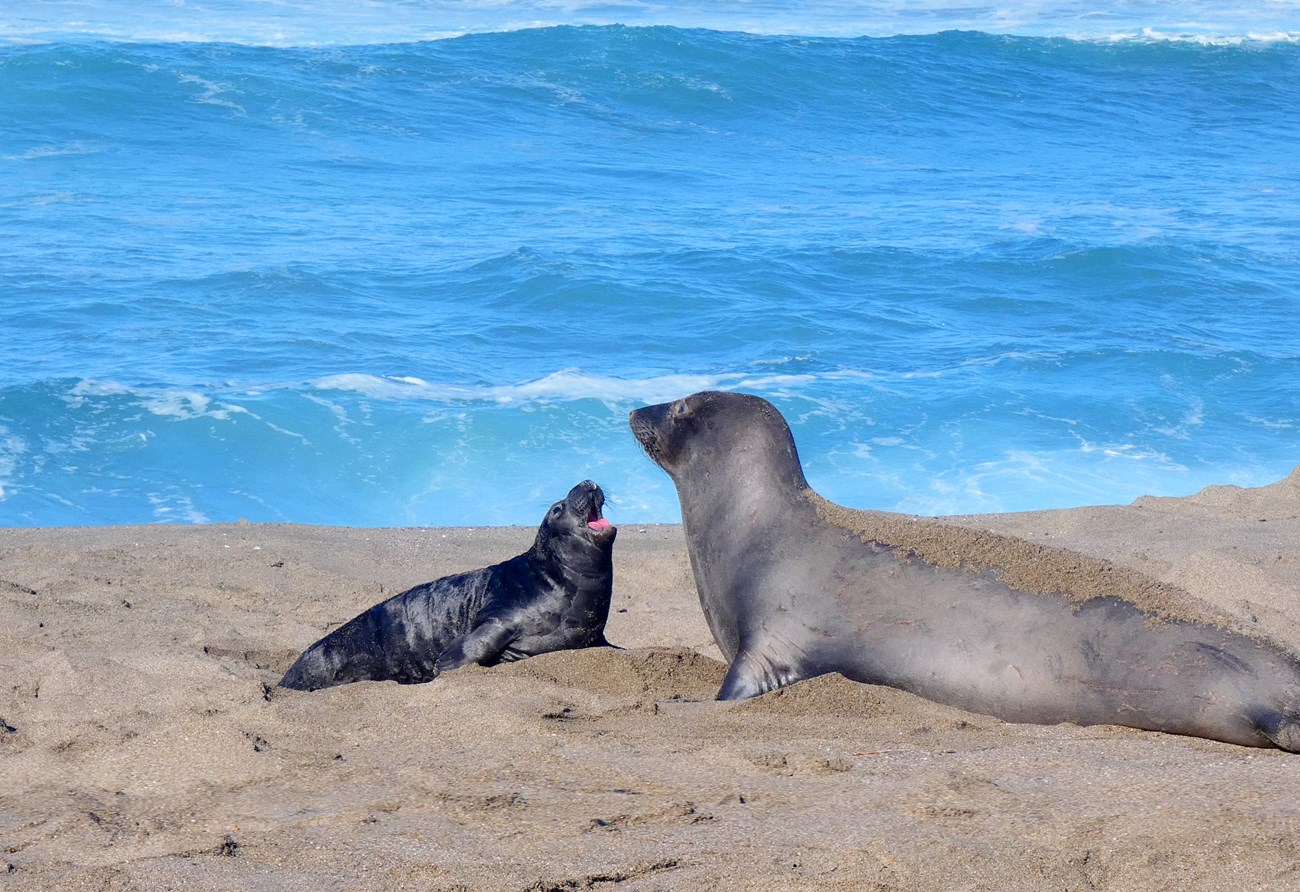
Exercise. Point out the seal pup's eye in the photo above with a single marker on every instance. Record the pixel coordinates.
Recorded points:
(557, 509)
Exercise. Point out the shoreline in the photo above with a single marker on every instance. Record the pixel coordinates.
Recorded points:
(145, 745)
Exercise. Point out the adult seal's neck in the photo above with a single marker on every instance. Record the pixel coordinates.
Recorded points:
(758, 480)
(732, 524)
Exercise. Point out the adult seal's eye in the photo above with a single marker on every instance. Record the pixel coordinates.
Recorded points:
(678, 409)
(557, 509)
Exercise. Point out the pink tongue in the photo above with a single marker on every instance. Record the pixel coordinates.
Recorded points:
(601, 524)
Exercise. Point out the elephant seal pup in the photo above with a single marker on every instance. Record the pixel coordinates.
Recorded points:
(555, 596)
(793, 586)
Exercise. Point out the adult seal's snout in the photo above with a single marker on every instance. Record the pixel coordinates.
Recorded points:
(793, 586)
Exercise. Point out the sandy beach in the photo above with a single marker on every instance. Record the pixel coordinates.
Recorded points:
(144, 745)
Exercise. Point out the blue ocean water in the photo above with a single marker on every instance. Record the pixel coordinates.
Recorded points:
(411, 263)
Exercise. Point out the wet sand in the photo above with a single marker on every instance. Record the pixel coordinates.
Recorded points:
(143, 744)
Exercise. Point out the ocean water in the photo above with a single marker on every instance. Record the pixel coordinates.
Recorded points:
(409, 263)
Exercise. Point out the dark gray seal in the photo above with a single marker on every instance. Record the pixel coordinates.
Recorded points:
(794, 586)
(555, 596)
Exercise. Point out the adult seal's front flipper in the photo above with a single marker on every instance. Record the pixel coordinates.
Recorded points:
(752, 673)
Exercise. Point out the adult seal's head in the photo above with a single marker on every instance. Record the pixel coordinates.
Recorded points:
(552, 597)
(793, 586)
(712, 431)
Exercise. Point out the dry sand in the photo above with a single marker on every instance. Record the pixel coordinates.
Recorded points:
(143, 744)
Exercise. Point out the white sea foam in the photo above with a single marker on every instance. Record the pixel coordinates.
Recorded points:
(11, 447)
(172, 508)
(567, 384)
(53, 151)
(89, 387)
(560, 386)
(176, 403)
(1131, 452)
(186, 405)
(1269, 423)
(1209, 35)
(1022, 479)
(211, 94)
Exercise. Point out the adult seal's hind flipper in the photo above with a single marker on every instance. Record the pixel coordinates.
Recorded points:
(555, 596)
(793, 587)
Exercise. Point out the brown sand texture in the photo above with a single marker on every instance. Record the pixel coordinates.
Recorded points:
(144, 746)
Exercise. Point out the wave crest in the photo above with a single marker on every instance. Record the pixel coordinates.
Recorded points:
(566, 384)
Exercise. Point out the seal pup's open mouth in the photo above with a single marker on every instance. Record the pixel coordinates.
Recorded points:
(594, 497)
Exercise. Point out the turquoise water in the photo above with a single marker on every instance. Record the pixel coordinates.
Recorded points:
(405, 282)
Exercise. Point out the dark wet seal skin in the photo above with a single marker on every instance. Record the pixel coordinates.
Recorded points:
(794, 586)
(555, 596)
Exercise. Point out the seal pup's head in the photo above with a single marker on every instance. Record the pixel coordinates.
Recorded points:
(714, 431)
(576, 520)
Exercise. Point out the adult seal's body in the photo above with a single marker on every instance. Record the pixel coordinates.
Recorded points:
(552, 597)
(794, 587)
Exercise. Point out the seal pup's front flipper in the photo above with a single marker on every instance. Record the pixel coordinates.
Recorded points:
(484, 644)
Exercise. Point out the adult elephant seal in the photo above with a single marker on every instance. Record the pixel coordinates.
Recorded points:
(794, 586)
(555, 596)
